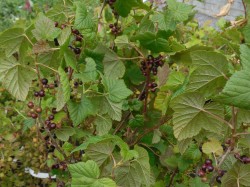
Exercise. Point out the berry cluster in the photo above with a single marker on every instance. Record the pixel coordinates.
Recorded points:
(61, 166)
(45, 84)
(207, 167)
(115, 29)
(152, 86)
(221, 173)
(49, 121)
(151, 64)
(34, 110)
(63, 26)
(244, 159)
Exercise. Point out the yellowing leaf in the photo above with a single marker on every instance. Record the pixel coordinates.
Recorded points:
(213, 146)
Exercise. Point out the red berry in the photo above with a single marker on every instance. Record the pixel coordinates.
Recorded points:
(201, 173)
(221, 172)
(111, 26)
(208, 162)
(31, 104)
(34, 115)
(75, 31)
(78, 38)
(38, 109)
(56, 24)
(63, 26)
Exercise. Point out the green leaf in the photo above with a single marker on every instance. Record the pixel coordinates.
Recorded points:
(193, 152)
(213, 146)
(196, 182)
(210, 73)
(103, 125)
(64, 80)
(15, 77)
(183, 145)
(154, 42)
(60, 102)
(113, 66)
(236, 92)
(116, 89)
(113, 109)
(89, 74)
(175, 80)
(162, 101)
(244, 56)
(191, 116)
(237, 176)
(11, 40)
(64, 36)
(70, 59)
(228, 162)
(172, 162)
(124, 7)
(136, 173)
(122, 41)
(64, 133)
(80, 110)
(137, 121)
(85, 19)
(100, 151)
(45, 29)
(86, 174)
(176, 13)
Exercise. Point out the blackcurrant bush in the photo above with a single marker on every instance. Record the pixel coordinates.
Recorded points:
(44, 81)
(31, 104)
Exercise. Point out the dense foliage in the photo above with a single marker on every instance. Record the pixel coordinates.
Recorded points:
(124, 93)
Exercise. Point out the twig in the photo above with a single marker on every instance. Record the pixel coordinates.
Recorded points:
(122, 122)
(103, 6)
(150, 130)
(145, 145)
(172, 177)
(245, 8)
(242, 133)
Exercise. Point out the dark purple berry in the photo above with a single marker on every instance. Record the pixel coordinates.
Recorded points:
(52, 126)
(41, 93)
(56, 42)
(208, 162)
(51, 117)
(36, 94)
(111, 26)
(75, 31)
(218, 179)
(45, 81)
(78, 38)
(63, 26)
(38, 109)
(34, 115)
(204, 167)
(201, 173)
(77, 50)
(54, 110)
(210, 168)
(55, 166)
(56, 24)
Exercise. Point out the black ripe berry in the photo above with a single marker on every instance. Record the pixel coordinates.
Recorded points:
(41, 93)
(45, 81)
(52, 126)
(31, 104)
(36, 94)
(56, 42)
(210, 168)
(77, 50)
(76, 84)
(75, 31)
(55, 166)
(204, 167)
(208, 162)
(56, 24)
(218, 179)
(51, 117)
(54, 110)
(79, 38)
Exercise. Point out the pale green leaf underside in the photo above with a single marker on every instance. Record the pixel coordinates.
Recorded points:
(191, 116)
(64, 80)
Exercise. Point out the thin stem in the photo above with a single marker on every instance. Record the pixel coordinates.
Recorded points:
(133, 58)
(172, 177)
(245, 8)
(216, 161)
(145, 145)
(137, 49)
(242, 133)
(28, 39)
(103, 6)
